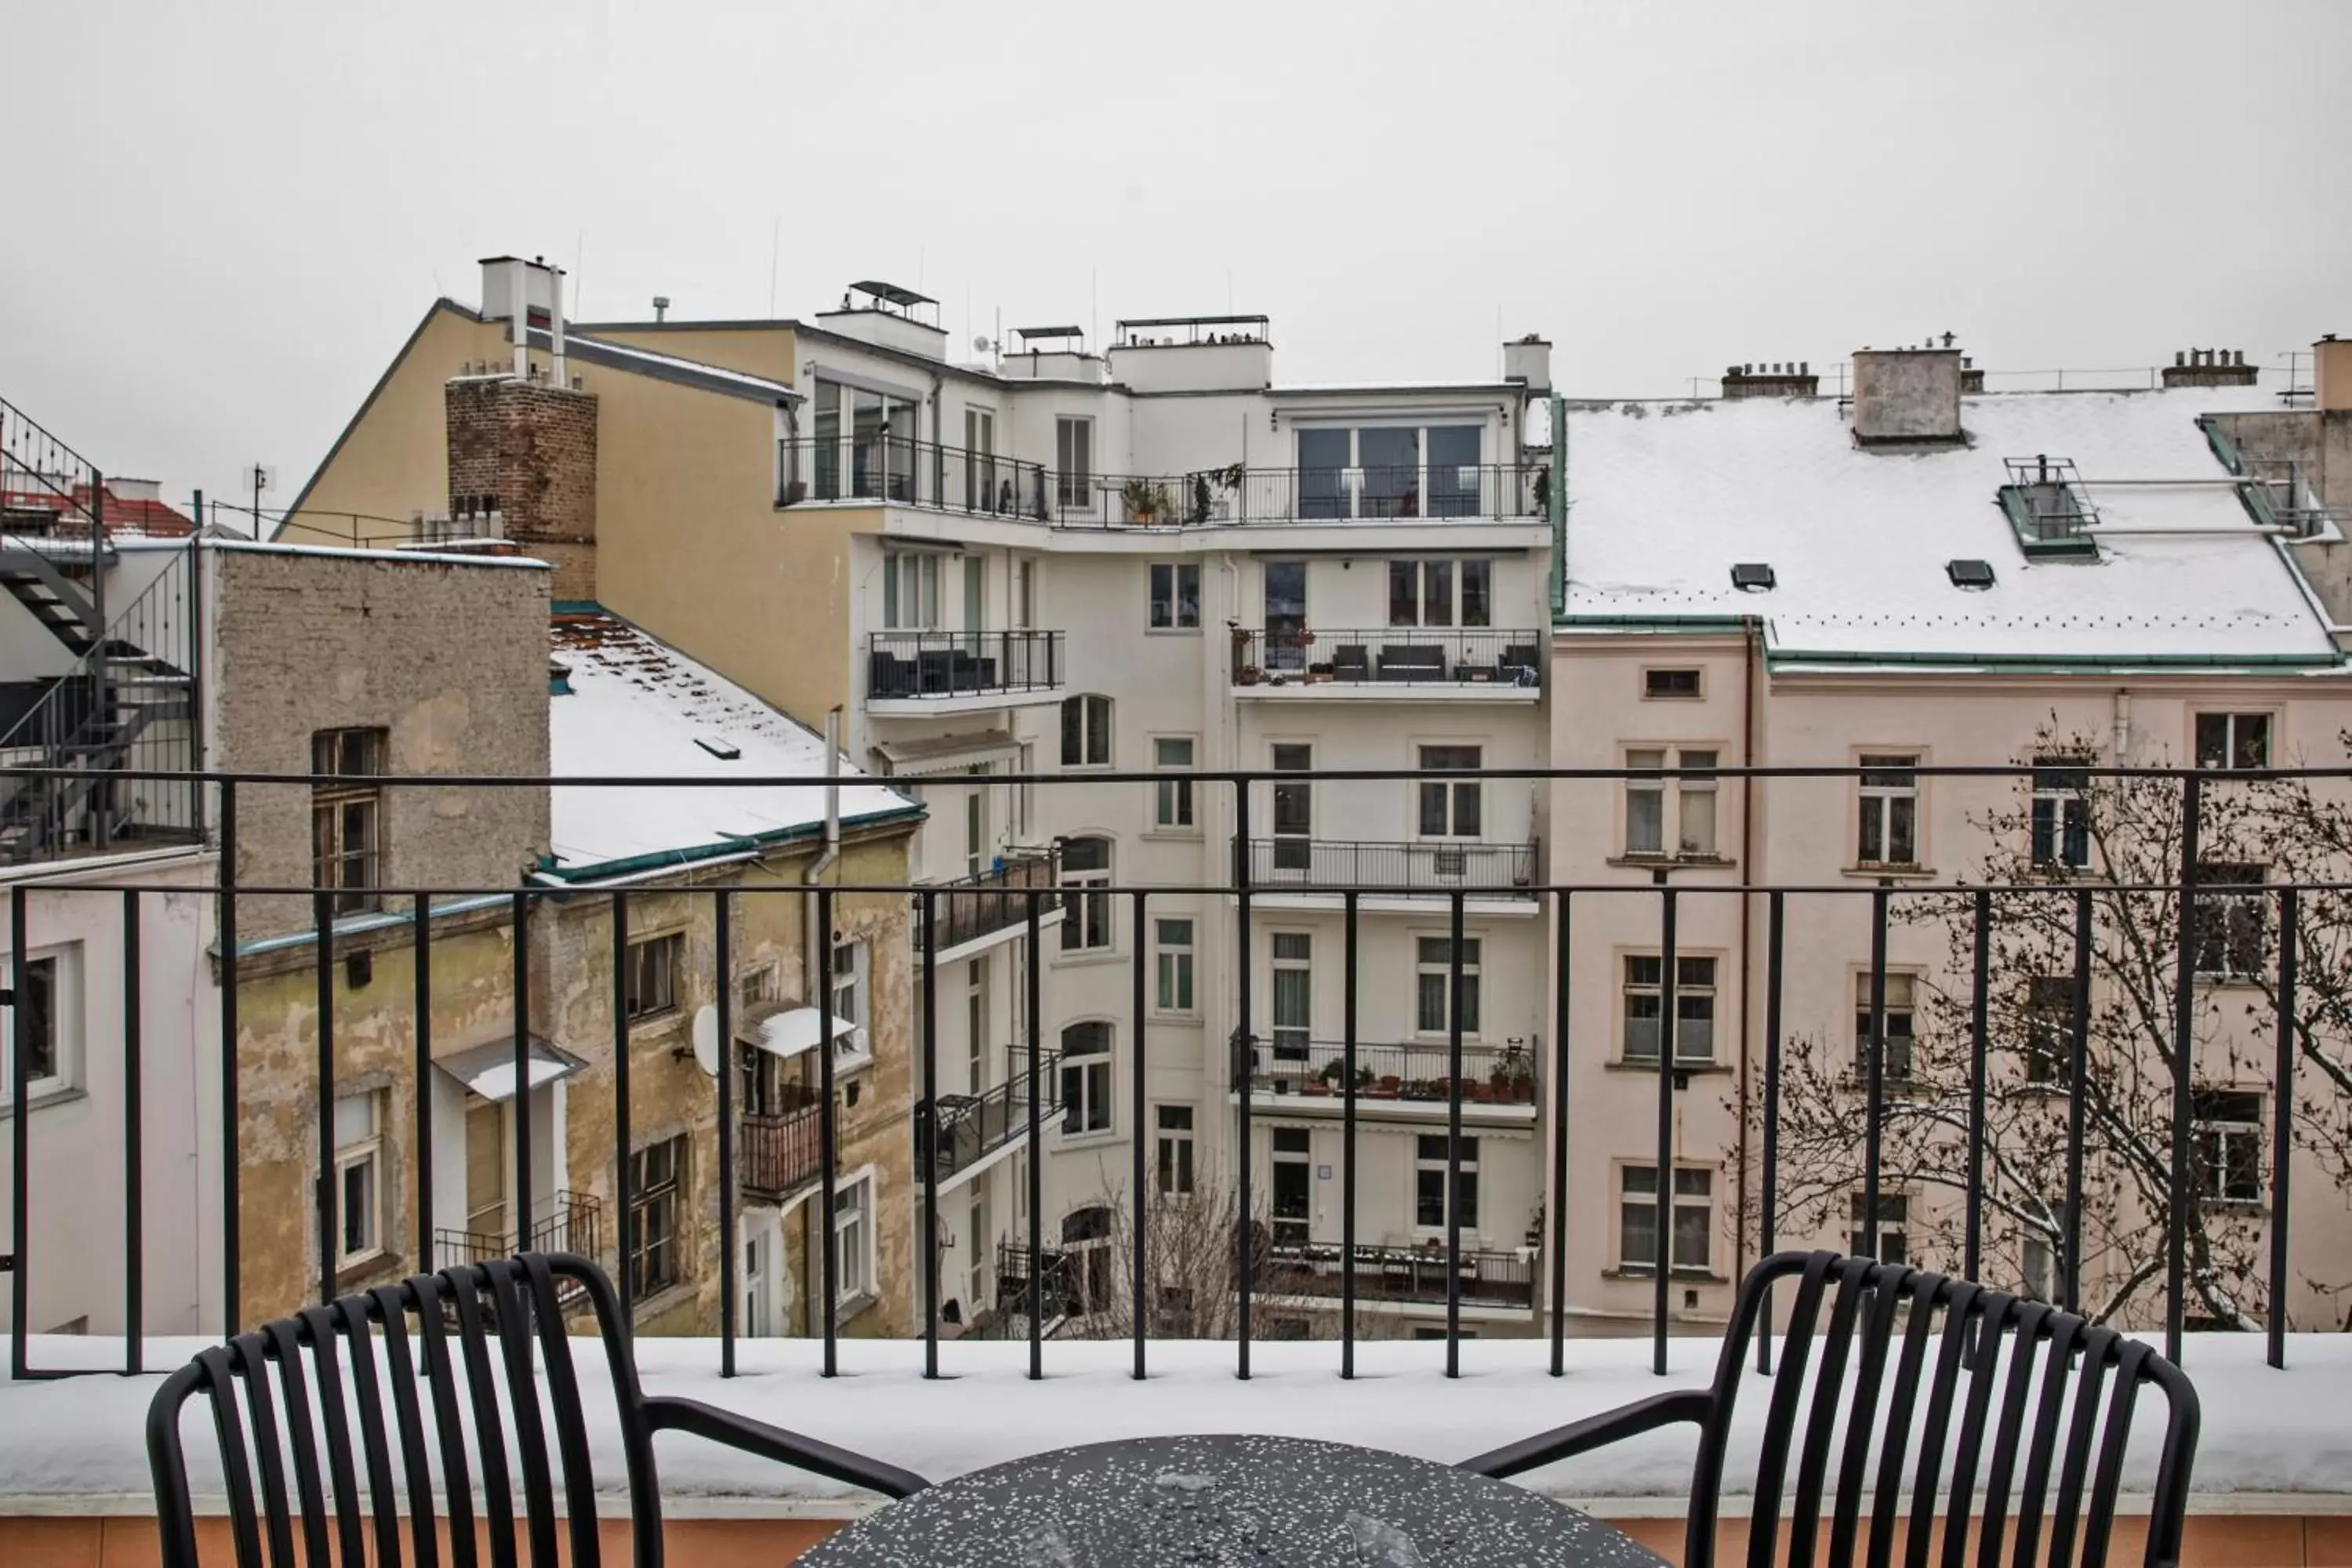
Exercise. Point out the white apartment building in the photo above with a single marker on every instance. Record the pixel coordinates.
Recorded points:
(1923, 578)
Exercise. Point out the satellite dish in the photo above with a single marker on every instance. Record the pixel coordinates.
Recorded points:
(982, 342)
(705, 1040)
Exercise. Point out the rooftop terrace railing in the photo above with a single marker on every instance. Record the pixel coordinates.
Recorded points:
(2103, 1124)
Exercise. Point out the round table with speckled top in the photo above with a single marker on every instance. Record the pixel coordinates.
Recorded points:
(1212, 1502)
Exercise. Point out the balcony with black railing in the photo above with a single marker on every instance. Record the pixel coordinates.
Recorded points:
(971, 1127)
(1378, 662)
(779, 1152)
(919, 672)
(1412, 866)
(1413, 1079)
(876, 467)
(573, 1222)
(1404, 1274)
(991, 902)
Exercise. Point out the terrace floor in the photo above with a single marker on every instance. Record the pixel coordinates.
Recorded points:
(2273, 1475)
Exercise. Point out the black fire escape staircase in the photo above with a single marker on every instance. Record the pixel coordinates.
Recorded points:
(53, 554)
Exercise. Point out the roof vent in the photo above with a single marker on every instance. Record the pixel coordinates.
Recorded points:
(718, 748)
(1752, 576)
(1969, 573)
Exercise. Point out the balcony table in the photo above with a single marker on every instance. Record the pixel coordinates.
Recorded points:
(1218, 1499)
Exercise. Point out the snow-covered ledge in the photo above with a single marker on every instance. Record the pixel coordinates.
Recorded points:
(2273, 1442)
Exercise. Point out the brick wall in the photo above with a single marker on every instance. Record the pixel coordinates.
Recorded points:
(528, 449)
(450, 659)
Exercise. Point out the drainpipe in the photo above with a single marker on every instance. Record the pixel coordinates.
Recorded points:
(1750, 667)
(817, 946)
(1558, 506)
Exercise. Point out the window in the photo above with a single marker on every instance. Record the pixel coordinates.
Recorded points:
(1174, 939)
(1889, 1241)
(850, 989)
(2230, 926)
(1429, 1182)
(1286, 615)
(1086, 1078)
(2049, 1028)
(1663, 684)
(1637, 1218)
(656, 1181)
(33, 1028)
(2062, 812)
(1175, 596)
(1694, 1007)
(758, 986)
(975, 1025)
(1086, 922)
(1392, 472)
(347, 817)
(1890, 810)
(1293, 810)
(1449, 810)
(759, 1082)
(1901, 990)
(910, 590)
(1171, 805)
(1086, 731)
(1694, 795)
(1422, 592)
(1433, 986)
(2233, 740)
(979, 1284)
(853, 1240)
(2228, 1140)
(651, 985)
(1074, 461)
(1294, 1186)
(1294, 997)
(359, 1175)
(1175, 1162)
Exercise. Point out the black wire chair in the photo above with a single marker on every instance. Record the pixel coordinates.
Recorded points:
(1881, 1322)
(493, 1313)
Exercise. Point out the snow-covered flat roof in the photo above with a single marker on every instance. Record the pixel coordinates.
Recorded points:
(2269, 1438)
(637, 707)
(1664, 498)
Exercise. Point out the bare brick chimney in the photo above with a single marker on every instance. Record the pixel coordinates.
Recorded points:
(526, 450)
(1782, 379)
(2209, 367)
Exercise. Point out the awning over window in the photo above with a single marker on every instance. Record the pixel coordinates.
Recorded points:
(945, 753)
(788, 1031)
(489, 1069)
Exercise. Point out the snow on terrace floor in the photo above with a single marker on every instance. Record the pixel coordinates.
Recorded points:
(1665, 497)
(638, 708)
(75, 1446)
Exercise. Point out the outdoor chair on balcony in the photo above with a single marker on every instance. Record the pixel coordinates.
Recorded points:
(1412, 661)
(2003, 1396)
(357, 1374)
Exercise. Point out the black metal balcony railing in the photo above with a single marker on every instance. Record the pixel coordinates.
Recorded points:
(780, 1151)
(963, 664)
(1458, 656)
(993, 900)
(1486, 1278)
(573, 1223)
(1429, 865)
(878, 466)
(1503, 1074)
(2078, 1155)
(973, 1126)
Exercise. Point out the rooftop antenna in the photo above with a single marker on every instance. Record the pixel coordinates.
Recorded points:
(579, 265)
(661, 308)
(1093, 304)
(775, 244)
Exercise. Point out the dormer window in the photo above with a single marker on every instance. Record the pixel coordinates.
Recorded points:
(2046, 505)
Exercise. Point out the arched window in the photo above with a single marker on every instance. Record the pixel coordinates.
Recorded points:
(1086, 925)
(1086, 731)
(1086, 1077)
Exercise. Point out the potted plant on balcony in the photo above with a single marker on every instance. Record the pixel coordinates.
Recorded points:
(1513, 1078)
(1146, 502)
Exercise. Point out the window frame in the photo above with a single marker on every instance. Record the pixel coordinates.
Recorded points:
(1450, 797)
(852, 992)
(1901, 1048)
(358, 757)
(2210, 1132)
(1088, 1081)
(1685, 991)
(1631, 1201)
(368, 1152)
(1429, 1173)
(1090, 741)
(1073, 471)
(1887, 797)
(1872, 1242)
(1172, 961)
(1289, 1042)
(1676, 798)
(1650, 692)
(1175, 1162)
(1175, 600)
(1173, 809)
(670, 975)
(853, 1215)
(2233, 746)
(1089, 918)
(2243, 947)
(2061, 813)
(647, 1199)
(1426, 969)
(2046, 1033)
(55, 972)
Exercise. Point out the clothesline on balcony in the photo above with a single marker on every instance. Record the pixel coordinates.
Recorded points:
(75, 1446)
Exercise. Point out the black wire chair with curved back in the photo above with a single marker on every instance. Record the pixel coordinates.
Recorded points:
(468, 1353)
(1980, 1380)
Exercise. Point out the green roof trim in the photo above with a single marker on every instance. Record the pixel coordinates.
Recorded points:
(684, 860)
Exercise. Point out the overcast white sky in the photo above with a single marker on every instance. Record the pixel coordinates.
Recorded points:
(225, 217)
